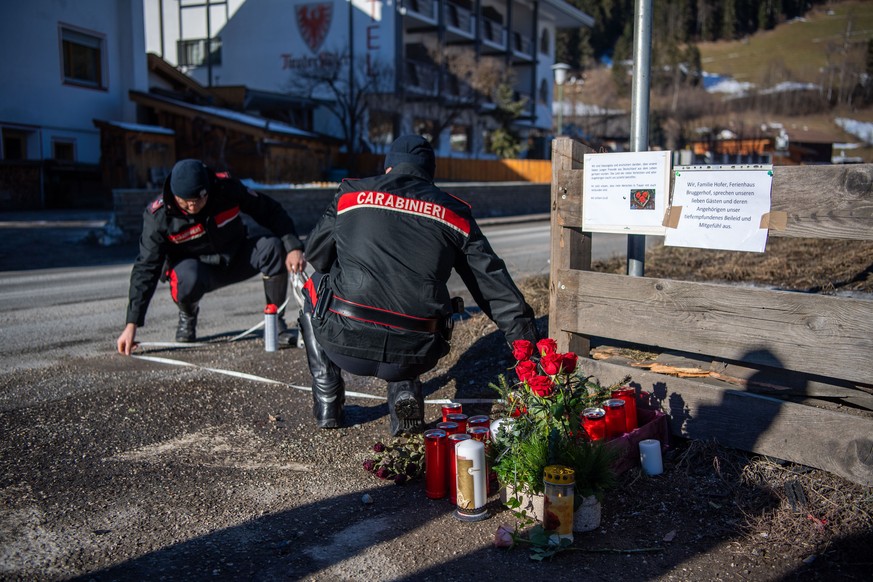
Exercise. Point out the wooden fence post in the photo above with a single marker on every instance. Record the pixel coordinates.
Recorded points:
(570, 247)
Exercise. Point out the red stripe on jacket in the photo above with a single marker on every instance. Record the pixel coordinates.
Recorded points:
(223, 218)
(429, 210)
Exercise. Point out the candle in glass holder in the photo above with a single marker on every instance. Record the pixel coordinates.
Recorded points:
(594, 423)
(461, 419)
(435, 469)
(451, 408)
(452, 441)
(615, 421)
(479, 433)
(629, 396)
(449, 427)
(478, 420)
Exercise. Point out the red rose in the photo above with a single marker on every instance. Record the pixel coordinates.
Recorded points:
(540, 385)
(547, 346)
(522, 349)
(551, 363)
(525, 370)
(571, 360)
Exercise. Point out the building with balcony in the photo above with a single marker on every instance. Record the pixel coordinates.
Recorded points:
(64, 64)
(380, 68)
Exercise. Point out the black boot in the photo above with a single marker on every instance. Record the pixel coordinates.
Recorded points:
(405, 406)
(276, 290)
(187, 328)
(328, 388)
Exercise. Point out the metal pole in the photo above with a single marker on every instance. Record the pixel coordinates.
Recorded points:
(636, 243)
(208, 45)
(560, 109)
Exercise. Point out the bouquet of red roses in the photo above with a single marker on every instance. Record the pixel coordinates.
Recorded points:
(544, 419)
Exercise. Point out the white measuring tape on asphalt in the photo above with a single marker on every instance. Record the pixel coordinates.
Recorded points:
(298, 280)
(254, 378)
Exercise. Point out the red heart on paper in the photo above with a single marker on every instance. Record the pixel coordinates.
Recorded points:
(642, 197)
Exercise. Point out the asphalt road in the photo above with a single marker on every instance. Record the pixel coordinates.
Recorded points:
(77, 310)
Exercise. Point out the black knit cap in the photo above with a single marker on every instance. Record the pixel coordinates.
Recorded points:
(412, 149)
(189, 179)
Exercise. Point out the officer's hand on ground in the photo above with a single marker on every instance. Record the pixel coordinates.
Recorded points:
(294, 262)
(126, 343)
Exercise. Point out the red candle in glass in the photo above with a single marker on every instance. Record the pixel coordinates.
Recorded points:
(615, 421)
(459, 418)
(479, 433)
(594, 423)
(629, 396)
(435, 469)
(479, 420)
(451, 408)
(449, 427)
(451, 441)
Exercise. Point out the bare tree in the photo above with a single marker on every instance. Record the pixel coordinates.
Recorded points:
(347, 89)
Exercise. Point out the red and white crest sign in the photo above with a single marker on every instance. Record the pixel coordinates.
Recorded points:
(313, 21)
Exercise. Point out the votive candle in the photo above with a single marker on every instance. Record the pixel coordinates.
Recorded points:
(435, 469)
(451, 408)
(594, 423)
(615, 421)
(459, 418)
(629, 396)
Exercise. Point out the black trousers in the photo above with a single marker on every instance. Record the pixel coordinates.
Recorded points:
(190, 279)
(388, 371)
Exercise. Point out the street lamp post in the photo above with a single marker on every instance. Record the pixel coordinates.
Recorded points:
(560, 72)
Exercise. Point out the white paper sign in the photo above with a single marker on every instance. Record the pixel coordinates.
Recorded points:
(625, 192)
(720, 208)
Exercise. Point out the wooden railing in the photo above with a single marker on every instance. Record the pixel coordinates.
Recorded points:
(463, 170)
(822, 344)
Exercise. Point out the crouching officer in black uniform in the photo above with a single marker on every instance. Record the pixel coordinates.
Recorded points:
(378, 304)
(194, 237)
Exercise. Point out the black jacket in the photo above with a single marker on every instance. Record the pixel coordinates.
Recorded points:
(213, 235)
(391, 242)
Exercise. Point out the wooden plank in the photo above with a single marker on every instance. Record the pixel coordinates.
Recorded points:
(831, 202)
(826, 336)
(836, 442)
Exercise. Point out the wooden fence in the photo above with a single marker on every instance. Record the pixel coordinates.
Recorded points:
(462, 170)
(802, 344)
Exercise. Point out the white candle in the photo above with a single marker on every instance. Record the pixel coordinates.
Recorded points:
(650, 457)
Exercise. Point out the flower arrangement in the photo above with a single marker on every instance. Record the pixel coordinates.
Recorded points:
(543, 423)
(400, 460)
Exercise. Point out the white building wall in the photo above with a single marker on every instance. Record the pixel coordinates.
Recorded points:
(264, 44)
(34, 95)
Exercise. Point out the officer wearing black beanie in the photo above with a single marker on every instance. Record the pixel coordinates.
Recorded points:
(378, 304)
(194, 237)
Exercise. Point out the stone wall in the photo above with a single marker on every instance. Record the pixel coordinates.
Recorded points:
(489, 200)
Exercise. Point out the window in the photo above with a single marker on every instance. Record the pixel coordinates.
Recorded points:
(82, 56)
(426, 128)
(192, 53)
(64, 150)
(381, 128)
(460, 139)
(14, 145)
(544, 42)
(543, 93)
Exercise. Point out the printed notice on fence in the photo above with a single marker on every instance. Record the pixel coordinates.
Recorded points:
(719, 209)
(625, 192)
